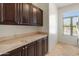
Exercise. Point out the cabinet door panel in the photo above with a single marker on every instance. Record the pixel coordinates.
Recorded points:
(44, 46)
(39, 48)
(31, 49)
(34, 20)
(17, 52)
(17, 13)
(25, 51)
(39, 17)
(9, 13)
(25, 13)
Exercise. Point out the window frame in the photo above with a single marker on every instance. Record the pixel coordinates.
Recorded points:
(71, 24)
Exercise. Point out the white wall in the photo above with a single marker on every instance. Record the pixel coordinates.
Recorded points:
(64, 38)
(45, 8)
(6, 30)
(53, 20)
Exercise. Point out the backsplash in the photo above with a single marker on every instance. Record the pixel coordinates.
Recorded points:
(7, 30)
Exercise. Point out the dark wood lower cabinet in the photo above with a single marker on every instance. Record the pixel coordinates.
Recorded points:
(25, 51)
(31, 49)
(16, 52)
(6, 54)
(37, 48)
(44, 46)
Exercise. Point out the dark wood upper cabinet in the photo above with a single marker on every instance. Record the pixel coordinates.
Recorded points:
(20, 14)
(25, 14)
(9, 13)
(17, 13)
(39, 17)
(34, 16)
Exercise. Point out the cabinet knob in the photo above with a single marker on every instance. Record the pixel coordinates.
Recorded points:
(25, 47)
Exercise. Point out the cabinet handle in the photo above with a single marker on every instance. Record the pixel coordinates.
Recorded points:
(25, 47)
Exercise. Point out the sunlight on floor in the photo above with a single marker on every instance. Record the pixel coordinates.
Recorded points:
(64, 50)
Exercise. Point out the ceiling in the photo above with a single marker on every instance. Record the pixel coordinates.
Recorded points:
(59, 5)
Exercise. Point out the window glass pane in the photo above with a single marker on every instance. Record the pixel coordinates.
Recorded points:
(74, 31)
(67, 30)
(74, 21)
(67, 21)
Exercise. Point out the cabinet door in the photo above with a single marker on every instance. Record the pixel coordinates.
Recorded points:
(17, 52)
(9, 13)
(25, 14)
(39, 17)
(44, 46)
(31, 49)
(17, 13)
(25, 51)
(34, 16)
(39, 47)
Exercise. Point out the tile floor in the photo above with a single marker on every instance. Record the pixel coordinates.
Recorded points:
(64, 50)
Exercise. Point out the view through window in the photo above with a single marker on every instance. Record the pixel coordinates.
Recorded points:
(70, 25)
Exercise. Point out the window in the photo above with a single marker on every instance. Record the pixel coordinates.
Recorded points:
(67, 26)
(70, 25)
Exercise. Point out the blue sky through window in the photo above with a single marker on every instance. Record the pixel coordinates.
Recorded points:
(71, 13)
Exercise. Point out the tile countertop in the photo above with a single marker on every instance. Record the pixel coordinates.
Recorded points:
(18, 41)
